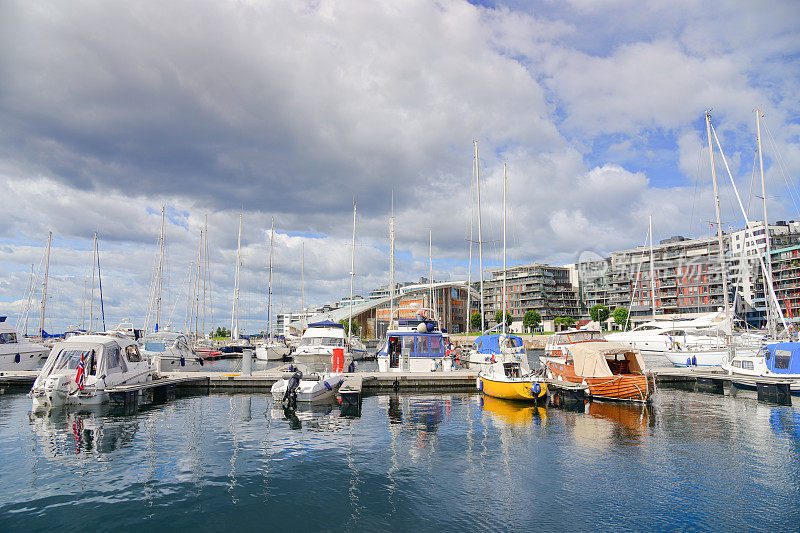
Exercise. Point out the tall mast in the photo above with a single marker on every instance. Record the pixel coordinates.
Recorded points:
(235, 313)
(352, 274)
(471, 238)
(430, 269)
(391, 266)
(44, 283)
(480, 228)
(100, 287)
(768, 258)
(652, 273)
(83, 306)
(269, 284)
(723, 273)
(207, 279)
(303, 282)
(160, 272)
(91, 297)
(505, 198)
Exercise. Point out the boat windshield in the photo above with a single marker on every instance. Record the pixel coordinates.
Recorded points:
(583, 336)
(155, 347)
(69, 359)
(8, 338)
(321, 341)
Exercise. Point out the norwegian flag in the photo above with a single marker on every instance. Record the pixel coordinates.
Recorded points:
(80, 377)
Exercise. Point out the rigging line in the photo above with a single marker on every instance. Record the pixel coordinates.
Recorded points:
(781, 164)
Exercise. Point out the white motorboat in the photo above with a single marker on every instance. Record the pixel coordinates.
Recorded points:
(81, 368)
(779, 360)
(17, 352)
(272, 349)
(171, 352)
(127, 329)
(304, 386)
(414, 344)
(319, 343)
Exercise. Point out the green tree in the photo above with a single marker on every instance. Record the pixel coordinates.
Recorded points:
(354, 326)
(222, 332)
(565, 321)
(531, 320)
(475, 321)
(498, 317)
(620, 316)
(599, 313)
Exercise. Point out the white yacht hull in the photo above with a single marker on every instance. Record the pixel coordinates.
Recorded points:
(697, 359)
(271, 352)
(23, 360)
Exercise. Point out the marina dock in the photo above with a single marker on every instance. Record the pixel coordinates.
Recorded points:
(770, 389)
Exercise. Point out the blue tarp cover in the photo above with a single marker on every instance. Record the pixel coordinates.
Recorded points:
(783, 357)
(326, 324)
(491, 343)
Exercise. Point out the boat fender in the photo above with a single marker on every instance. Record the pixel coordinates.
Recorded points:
(328, 386)
(688, 361)
(536, 389)
(16, 358)
(200, 360)
(352, 367)
(291, 368)
(480, 385)
(694, 360)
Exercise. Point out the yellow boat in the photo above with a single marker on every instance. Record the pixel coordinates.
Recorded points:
(513, 389)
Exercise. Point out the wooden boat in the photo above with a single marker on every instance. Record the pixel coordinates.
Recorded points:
(610, 370)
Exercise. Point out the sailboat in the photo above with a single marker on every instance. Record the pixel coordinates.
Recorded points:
(237, 343)
(273, 348)
(508, 374)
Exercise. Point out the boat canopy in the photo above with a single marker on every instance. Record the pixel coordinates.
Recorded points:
(491, 343)
(326, 324)
(590, 359)
(783, 357)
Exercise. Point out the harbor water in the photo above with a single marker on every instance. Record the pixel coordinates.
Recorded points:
(418, 462)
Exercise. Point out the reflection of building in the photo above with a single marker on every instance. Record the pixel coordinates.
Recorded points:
(449, 300)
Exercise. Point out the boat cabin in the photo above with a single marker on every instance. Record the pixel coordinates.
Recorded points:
(783, 357)
(490, 344)
(604, 359)
(406, 344)
(103, 356)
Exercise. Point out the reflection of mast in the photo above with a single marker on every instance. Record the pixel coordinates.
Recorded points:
(44, 283)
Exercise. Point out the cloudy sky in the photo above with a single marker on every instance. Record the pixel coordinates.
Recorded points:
(293, 109)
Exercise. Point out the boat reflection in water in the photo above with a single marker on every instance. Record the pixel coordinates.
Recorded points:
(323, 416)
(511, 413)
(62, 431)
(605, 424)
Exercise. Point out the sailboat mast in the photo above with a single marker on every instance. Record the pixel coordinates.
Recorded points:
(91, 297)
(768, 258)
(303, 282)
(352, 274)
(505, 289)
(391, 266)
(480, 229)
(471, 238)
(160, 271)
(44, 283)
(652, 273)
(207, 278)
(269, 284)
(721, 250)
(235, 313)
(430, 268)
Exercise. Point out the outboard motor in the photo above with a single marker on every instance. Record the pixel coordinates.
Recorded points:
(290, 395)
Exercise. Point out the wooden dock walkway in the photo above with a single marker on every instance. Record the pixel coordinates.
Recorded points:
(768, 388)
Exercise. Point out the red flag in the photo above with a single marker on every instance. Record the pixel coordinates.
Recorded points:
(81, 375)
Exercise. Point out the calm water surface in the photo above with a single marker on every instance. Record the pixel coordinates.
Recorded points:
(429, 462)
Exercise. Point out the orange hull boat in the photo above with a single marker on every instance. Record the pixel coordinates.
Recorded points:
(630, 387)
